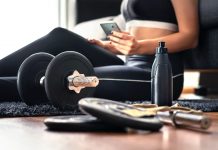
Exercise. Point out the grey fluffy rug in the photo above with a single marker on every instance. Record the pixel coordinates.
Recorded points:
(20, 109)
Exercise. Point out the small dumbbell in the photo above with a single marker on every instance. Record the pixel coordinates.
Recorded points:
(60, 80)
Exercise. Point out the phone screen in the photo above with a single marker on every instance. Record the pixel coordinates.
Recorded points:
(108, 27)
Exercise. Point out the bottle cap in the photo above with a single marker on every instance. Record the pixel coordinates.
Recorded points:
(161, 49)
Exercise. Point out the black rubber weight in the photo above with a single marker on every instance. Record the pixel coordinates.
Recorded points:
(56, 75)
(109, 112)
(29, 75)
(78, 123)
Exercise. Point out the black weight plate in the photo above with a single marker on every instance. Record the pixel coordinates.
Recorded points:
(56, 75)
(109, 111)
(28, 79)
(78, 123)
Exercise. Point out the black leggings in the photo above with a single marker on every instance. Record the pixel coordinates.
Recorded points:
(106, 65)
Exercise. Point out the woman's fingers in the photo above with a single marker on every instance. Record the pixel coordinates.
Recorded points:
(120, 35)
(94, 41)
(128, 40)
(124, 32)
(122, 48)
(97, 42)
(91, 40)
(117, 40)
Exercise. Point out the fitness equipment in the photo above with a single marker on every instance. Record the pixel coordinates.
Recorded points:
(124, 115)
(65, 77)
(29, 75)
(185, 119)
(79, 123)
(60, 77)
(62, 80)
(111, 112)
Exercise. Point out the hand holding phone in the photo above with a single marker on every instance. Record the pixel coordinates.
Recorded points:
(108, 27)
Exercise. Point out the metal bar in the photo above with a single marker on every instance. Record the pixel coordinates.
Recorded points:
(183, 119)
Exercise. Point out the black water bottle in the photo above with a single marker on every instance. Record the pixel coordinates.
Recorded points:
(161, 78)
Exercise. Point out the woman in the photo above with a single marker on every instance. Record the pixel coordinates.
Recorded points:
(147, 23)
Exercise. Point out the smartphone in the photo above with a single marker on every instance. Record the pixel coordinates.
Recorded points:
(108, 27)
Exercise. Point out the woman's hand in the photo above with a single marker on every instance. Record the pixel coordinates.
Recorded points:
(105, 44)
(97, 42)
(124, 43)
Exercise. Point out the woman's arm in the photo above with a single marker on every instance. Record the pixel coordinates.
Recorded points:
(186, 37)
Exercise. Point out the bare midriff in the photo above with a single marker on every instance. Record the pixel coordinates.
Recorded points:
(149, 33)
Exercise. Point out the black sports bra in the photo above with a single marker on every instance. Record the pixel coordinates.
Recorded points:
(150, 13)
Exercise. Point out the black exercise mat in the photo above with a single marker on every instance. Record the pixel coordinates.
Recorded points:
(206, 105)
(20, 109)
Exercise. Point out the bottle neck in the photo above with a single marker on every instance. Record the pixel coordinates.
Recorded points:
(162, 58)
(161, 49)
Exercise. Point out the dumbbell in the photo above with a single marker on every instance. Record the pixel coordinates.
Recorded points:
(60, 80)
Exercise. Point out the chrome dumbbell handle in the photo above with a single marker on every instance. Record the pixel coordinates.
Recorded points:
(78, 81)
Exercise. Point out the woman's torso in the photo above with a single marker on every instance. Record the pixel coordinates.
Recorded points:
(147, 19)
(143, 16)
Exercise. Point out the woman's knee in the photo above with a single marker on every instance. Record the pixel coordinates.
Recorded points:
(62, 34)
(177, 87)
(58, 31)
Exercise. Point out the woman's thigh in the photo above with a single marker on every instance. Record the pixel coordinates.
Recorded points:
(116, 83)
(57, 41)
(129, 83)
(123, 83)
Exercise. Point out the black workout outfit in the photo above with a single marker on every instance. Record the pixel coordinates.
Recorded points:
(155, 13)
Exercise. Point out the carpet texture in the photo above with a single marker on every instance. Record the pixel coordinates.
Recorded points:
(20, 109)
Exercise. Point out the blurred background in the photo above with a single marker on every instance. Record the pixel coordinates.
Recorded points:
(23, 21)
